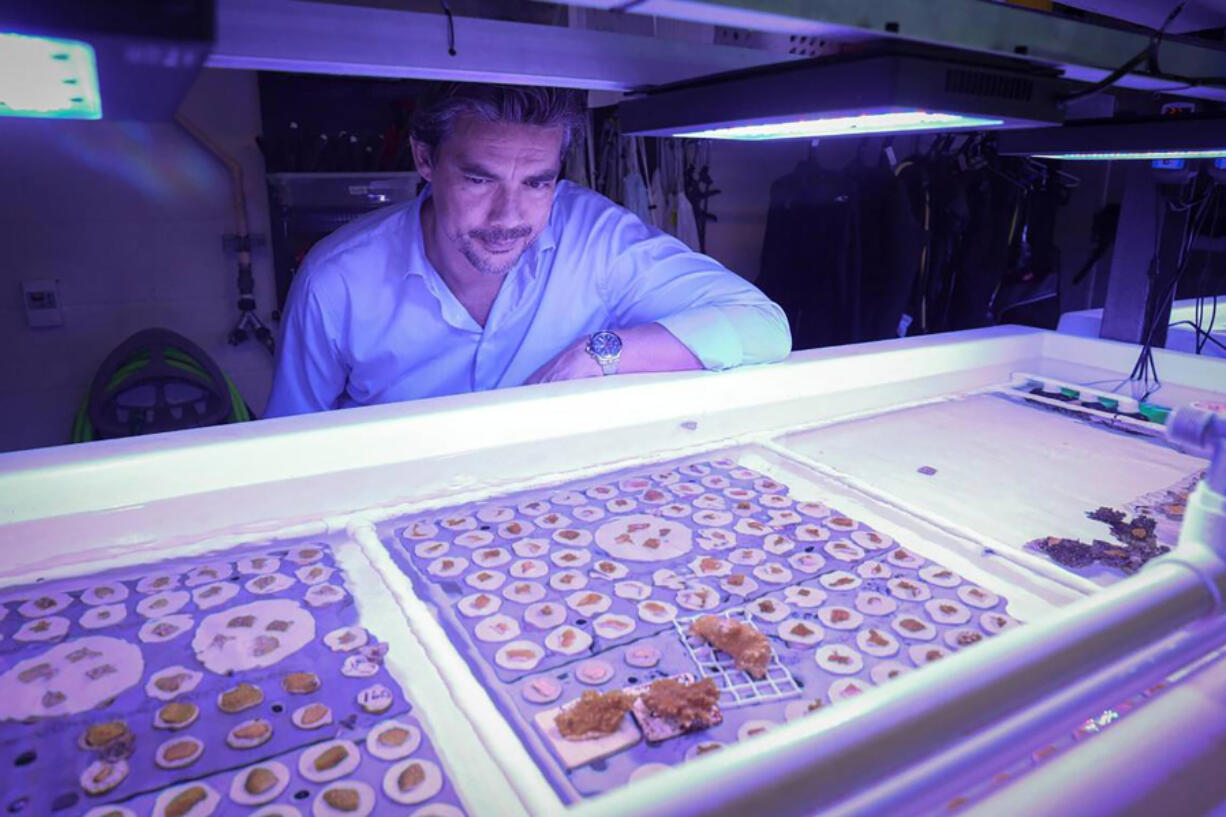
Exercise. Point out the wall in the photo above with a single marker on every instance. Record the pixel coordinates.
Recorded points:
(129, 218)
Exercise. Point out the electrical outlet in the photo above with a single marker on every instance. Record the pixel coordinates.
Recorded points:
(42, 303)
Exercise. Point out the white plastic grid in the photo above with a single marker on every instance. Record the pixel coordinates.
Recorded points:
(737, 688)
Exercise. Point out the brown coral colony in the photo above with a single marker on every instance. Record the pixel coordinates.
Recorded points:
(595, 713)
(690, 706)
(749, 649)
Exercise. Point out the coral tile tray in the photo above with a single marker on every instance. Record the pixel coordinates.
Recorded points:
(239, 683)
(591, 586)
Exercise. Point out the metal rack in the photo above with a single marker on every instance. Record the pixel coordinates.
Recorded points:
(305, 207)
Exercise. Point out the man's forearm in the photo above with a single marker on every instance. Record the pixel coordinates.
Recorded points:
(645, 348)
(652, 348)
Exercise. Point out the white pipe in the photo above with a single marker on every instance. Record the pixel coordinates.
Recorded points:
(1187, 722)
(817, 763)
(1182, 777)
(933, 783)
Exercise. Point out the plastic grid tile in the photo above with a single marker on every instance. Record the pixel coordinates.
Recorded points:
(737, 688)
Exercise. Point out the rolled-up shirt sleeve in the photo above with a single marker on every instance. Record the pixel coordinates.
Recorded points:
(311, 372)
(653, 277)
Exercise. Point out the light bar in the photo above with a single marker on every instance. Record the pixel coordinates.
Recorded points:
(844, 96)
(847, 126)
(1212, 153)
(48, 78)
(1183, 136)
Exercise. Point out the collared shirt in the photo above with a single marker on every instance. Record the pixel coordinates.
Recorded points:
(369, 320)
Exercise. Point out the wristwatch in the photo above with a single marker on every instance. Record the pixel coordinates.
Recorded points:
(605, 347)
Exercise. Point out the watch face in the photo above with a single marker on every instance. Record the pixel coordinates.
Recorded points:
(605, 344)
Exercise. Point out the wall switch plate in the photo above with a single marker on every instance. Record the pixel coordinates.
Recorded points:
(42, 303)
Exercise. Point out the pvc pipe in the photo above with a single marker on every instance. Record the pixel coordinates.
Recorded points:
(817, 763)
(1171, 752)
(238, 193)
(950, 773)
(1203, 432)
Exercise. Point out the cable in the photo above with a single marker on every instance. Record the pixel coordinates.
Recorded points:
(1203, 285)
(450, 27)
(1167, 299)
(1201, 333)
(1149, 53)
(1212, 324)
(1141, 369)
(1145, 370)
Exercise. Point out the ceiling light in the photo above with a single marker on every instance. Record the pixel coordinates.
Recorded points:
(85, 59)
(1189, 136)
(845, 97)
(47, 77)
(1108, 156)
(859, 124)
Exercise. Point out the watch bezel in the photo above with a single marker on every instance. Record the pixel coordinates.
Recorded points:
(605, 346)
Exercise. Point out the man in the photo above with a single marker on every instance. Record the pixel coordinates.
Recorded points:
(500, 274)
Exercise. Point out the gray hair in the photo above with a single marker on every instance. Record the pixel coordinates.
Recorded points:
(435, 119)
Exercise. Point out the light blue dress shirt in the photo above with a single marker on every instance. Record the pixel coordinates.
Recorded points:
(369, 320)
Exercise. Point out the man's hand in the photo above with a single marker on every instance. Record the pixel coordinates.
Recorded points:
(572, 363)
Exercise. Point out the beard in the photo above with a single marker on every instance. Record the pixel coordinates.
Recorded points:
(470, 246)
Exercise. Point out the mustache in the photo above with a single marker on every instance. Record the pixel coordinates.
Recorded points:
(491, 236)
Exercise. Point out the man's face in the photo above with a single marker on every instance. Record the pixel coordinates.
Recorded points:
(492, 185)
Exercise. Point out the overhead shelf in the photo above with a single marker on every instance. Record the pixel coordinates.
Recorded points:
(322, 38)
(1082, 50)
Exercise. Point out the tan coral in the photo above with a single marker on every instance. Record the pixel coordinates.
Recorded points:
(594, 714)
(750, 650)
